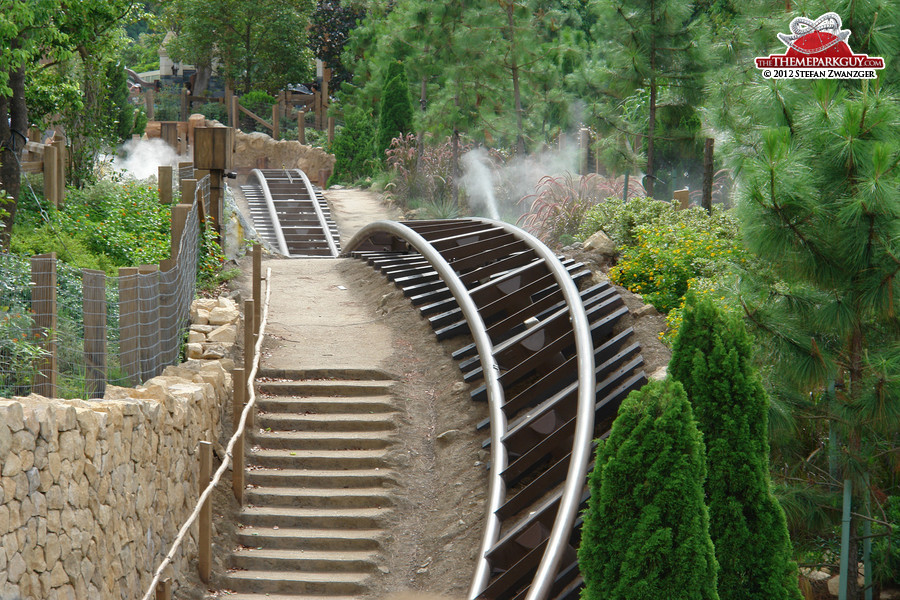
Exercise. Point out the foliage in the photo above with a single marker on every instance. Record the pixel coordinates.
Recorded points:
(259, 103)
(669, 252)
(121, 113)
(619, 219)
(395, 115)
(429, 182)
(18, 352)
(260, 44)
(712, 358)
(886, 548)
(210, 273)
(214, 111)
(352, 148)
(330, 27)
(645, 531)
(561, 204)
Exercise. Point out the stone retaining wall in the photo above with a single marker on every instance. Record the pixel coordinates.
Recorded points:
(93, 493)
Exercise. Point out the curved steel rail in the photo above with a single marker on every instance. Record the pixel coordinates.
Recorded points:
(517, 298)
(273, 214)
(325, 228)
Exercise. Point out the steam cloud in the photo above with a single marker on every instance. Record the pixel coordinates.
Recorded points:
(142, 158)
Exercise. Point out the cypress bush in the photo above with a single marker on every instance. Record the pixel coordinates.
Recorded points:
(353, 148)
(645, 531)
(711, 358)
(396, 115)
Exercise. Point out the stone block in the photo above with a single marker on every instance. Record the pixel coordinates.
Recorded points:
(12, 414)
(194, 350)
(226, 334)
(223, 315)
(196, 337)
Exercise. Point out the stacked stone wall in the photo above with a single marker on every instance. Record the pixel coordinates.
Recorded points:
(92, 493)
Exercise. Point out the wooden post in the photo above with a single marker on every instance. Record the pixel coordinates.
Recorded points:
(169, 343)
(239, 381)
(276, 121)
(323, 178)
(257, 285)
(51, 172)
(164, 184)
(562, 142)
(249, 346)
(43, 305)
(149, 101)
(148, 294)
(330, 130)
(706, 200)
(229, 94)
(204, 541)
(216, 199)
(129, 324)
(184, 104)
(180, 214)
(301, 126)
(61, 162)
(188, 191)
(326, 81)
(235, 111)
(164, 589)
(584, 144)
(683, 197)
(94, 311)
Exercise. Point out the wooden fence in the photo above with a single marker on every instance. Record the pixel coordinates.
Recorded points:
(50, 159)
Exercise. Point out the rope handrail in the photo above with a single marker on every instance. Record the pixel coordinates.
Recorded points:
(251, 400)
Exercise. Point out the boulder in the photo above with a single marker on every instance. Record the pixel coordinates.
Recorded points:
(601, 244)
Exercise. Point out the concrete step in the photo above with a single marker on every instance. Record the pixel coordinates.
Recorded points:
(319, 498)
(326, 405)
(320, 479)
(316, 583)
(323, 561)
(321, 440)
(292, 517)
(382, 422)
(317, 459)
(325, 387)
(310, 539)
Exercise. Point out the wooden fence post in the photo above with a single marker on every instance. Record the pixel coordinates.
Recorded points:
(61, 162)
(148, 293)
(239, 381)
(249, 345)
(330, 130)
(229, 94)
(683, 197)
(257, 285)
(706, 200)
(180, 214)
(204, 542)
(170, 342)
(184, 104)
(164, 589)
(301, 126)
(584, 143)
(129, 324)
(94, 311)
(188, 190)
(164, 184)
(43, 305)
(51, 172)
(235, 102)
(562, 142)
(276, 121)
(149, 101)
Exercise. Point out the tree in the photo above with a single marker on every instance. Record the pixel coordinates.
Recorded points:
(395, 117)
(353, 147)
(258, 43)
(821, 211)
(645, 531)
(712, 358)
(330, 27)
(650, 47)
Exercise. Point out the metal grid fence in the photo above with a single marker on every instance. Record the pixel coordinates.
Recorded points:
(66, 332)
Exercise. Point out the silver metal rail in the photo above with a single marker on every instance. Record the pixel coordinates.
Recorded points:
(273, 214)
(325, 228)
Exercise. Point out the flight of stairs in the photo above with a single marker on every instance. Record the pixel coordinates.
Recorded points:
(318, 488)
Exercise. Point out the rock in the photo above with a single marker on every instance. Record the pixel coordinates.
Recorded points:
(195, 337)
(647, 310)
(601, 244)
(12, 414)
(660, 373)
(448, 436)
(223, 315)
(16, 568)
(213, 351)
(817, 575)
(226, 334)
(58, 576)
(459, 387)
(202, 328)
(5, 440)
(194, 350)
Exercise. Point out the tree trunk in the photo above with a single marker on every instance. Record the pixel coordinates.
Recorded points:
(454, 166)
(420, 137)
(12, 136)
(651, 125)
(514, 68)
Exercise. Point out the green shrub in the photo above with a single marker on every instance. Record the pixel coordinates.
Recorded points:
(645, 531)
(886, 547)
(353, 148)
(396, 113)
(712, 358)
(260, 104)
(215, 111)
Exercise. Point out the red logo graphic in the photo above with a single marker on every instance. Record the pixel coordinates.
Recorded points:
(818, 50)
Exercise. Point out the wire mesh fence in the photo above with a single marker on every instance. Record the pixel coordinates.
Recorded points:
(67, 332)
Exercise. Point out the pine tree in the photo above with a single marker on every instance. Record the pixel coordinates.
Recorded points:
(396, 114)
(711, 358)
(353, 148)
(645, 531)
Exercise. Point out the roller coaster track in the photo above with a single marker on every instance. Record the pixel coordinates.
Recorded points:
(553, 363)
(290, 213)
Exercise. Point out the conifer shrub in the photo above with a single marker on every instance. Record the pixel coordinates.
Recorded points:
(712, 359)
(645, 531)
(352, 148)
(395, 118)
